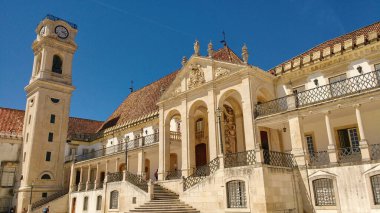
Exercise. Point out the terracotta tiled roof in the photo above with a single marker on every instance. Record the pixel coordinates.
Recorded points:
(11, 120)
(226, 54)
(330, 43)
(140, 102)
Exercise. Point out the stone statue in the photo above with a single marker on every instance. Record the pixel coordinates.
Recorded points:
(196, 48)
(245, 53)
(210, 49)
(184, 60)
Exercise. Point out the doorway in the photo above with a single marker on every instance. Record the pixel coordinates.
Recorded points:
(200, 155)
(173, 161)
(265, 146)
(147, 169)
(73, 205)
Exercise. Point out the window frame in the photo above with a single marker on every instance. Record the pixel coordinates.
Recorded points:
(48, 156)
(50, 137)
(335, 188)
(52, 118)
(240, 194)
(370, 189)
(99, 203)
(111, 200)
(85, 203)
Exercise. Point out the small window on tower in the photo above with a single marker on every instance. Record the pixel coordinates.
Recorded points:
(48, 156)
(50, 138)
(52, 118)
(44, 194)
(57, 64)
(30, 118)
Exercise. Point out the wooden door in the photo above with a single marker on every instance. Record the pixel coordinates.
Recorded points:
(73, 205)
(200, 155)
(147, 169)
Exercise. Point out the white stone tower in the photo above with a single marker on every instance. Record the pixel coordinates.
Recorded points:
(47, 111)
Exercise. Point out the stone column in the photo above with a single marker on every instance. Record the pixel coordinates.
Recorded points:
(213, 147)
(162, 147)
(97, 181)
(117, 165)
(141, 163)
(184, 139)
(106, 171)
(247, 114)
(80, 179)
(72, 177)
(331, 147)
(88, 178)
(297, 138)
(363, 144)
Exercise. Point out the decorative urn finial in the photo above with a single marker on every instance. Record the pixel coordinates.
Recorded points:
(196, 48)
(184, 60)
(210, 50)
(245, 54)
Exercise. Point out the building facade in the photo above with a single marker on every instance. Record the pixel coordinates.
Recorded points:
(217, 135)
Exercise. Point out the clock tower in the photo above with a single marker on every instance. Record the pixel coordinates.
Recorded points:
(47, 111)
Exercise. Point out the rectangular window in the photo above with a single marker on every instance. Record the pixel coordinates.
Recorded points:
(24, 156)
(48, 156)
(99, 203)
(27, 137)
(52, 118)
(7, 177)
(50, 138)
(30, 118)
(310, 145)
(375, 182)
(236, 194)
(324, 192)
(85, 203)
(44, 194)
(348, 138)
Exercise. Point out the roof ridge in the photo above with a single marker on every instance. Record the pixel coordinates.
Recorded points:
(154, 81)
(12, 109)
(324, 42)
(85, 119)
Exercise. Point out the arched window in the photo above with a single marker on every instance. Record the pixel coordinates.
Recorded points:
(324, 194)
(57, 64)
(45, 177)
(85, 204)
(375, 183)
(99, 203)
(236, 196)
(114, 200)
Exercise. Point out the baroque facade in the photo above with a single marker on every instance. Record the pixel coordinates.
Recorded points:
(217, 135)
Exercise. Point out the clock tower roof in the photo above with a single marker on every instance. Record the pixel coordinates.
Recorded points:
(55, 18)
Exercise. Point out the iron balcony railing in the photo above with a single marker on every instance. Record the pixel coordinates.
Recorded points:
(173, 175)
(326, 92)
(349, 154)
(133, 144)
(280, 159)
(240, 159)
(319, 158)
(175, 136)
(374, 151)
(201, 173)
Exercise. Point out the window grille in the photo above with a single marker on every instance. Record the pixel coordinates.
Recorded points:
(375, 183)
(310, 146)
(324, 192)
(114, 200)
(236, 194)
(7, 177)
(85, 203)
(99, 203)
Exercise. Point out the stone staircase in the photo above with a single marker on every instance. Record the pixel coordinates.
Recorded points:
(165, 201)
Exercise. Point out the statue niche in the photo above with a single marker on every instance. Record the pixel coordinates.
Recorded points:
(229, 130)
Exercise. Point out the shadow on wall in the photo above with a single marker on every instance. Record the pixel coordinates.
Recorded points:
(303, 189)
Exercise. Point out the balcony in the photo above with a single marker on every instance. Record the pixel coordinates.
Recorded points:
(175, 136)
(349, 154)
(319, 158)
(137, 143)
(346, 87)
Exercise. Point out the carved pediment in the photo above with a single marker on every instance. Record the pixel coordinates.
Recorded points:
(196, 76)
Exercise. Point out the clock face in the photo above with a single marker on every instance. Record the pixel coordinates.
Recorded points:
(61, 31)
(42, 31)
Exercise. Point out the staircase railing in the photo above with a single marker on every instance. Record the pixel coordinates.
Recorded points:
(201, 173)
(50, 198)
(280, 159)
(114, 177)
(136, 180)
(172, 175)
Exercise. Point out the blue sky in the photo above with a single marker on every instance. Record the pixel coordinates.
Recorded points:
(122, 40)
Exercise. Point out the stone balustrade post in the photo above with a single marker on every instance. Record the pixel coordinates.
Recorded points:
(221, 161)
(124, 175)
(331, 150)
(150, 189)
(363, 144)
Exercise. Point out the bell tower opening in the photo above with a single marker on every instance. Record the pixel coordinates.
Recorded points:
(57, 64)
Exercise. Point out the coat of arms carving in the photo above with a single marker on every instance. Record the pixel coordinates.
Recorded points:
(196, 77)
(220, 71)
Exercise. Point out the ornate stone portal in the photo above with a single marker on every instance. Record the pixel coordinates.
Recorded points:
(229, 130)
(197, 77)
